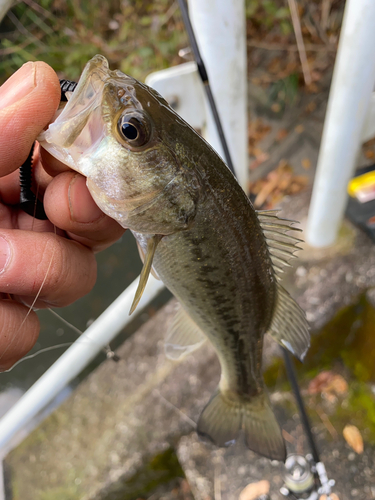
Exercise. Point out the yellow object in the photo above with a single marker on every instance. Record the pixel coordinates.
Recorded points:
(363, 187)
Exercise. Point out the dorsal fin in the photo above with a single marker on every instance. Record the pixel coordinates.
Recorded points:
(281, 245)
(183, 337)
(152, 243)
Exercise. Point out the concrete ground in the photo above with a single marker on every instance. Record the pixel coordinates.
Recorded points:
(127, 432)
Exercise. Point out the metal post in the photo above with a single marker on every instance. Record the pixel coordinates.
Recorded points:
(219, 27)
(353, 81)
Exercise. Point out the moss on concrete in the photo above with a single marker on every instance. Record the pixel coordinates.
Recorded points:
(162, 469)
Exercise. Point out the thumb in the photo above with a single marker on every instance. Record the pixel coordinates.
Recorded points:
(28, 101)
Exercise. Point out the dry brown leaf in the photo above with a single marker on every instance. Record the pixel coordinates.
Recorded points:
(257, 152)
(332, 496)
(276, 107)
(268, 187)
(258, 161)
(328, 382)
(310, 107)
(299, 129)
(354, 438)
(312, 88)
(288, 437)
(306, 163)
(281, 134)
(303, 180)
(370, 154)
(254, 490)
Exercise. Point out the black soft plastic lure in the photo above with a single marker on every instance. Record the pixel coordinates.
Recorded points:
(29, 203)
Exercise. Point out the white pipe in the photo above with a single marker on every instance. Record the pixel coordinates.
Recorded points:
(352, 84)
(220, 29)
(75, 359)
(5, 5)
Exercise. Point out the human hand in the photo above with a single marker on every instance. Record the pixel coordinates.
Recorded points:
(57, 265)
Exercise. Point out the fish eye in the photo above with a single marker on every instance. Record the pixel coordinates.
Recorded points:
(135, 130)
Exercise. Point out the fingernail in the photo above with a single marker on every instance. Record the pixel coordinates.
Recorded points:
(18, 85)
(5, 254)
(82, 206)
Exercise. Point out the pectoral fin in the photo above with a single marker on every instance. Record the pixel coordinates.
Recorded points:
(142, 256)
(183, 337)
(152, 243)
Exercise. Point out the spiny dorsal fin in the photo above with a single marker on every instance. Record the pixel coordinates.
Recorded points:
(152, 243)
(183, 337)
(281, 245)
(289, 326)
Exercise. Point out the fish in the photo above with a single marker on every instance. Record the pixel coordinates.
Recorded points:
(197, 231)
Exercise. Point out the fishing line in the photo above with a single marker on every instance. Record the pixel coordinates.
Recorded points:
(41, 351)
(107, 349)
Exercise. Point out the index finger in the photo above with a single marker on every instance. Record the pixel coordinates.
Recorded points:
(28, 101)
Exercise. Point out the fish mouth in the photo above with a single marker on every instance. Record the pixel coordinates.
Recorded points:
(78, 128)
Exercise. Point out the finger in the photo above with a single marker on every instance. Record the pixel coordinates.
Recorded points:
(28, 101)
(51, 164)
(69, 205)
(18, 332)
(59, 270)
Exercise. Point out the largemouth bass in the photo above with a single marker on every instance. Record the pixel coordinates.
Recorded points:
(198, 231)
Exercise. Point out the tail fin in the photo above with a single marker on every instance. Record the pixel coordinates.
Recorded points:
(222, 419)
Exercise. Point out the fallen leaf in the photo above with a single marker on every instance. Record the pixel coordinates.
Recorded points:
(370, 154)
(258, 161)
(310, 107)
(332, 496)
(288, 437)
(299, 129)
(254, 490)
(328, 383)
(281, 134)
(267, 189)
(306, 163)
(276, 107)
(353, 437)
(312, 88)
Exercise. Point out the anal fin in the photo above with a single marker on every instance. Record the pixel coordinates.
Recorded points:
(152, 243)
(289, 326)
(183, 337)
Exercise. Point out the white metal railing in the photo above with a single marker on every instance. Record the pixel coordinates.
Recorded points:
(349, 100)
(75, 359)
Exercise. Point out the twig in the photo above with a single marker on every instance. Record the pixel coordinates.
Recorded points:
(217, 482)
(25, 31)
(326, 421)
(39, 9)
(326, 7)
(299, 40)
